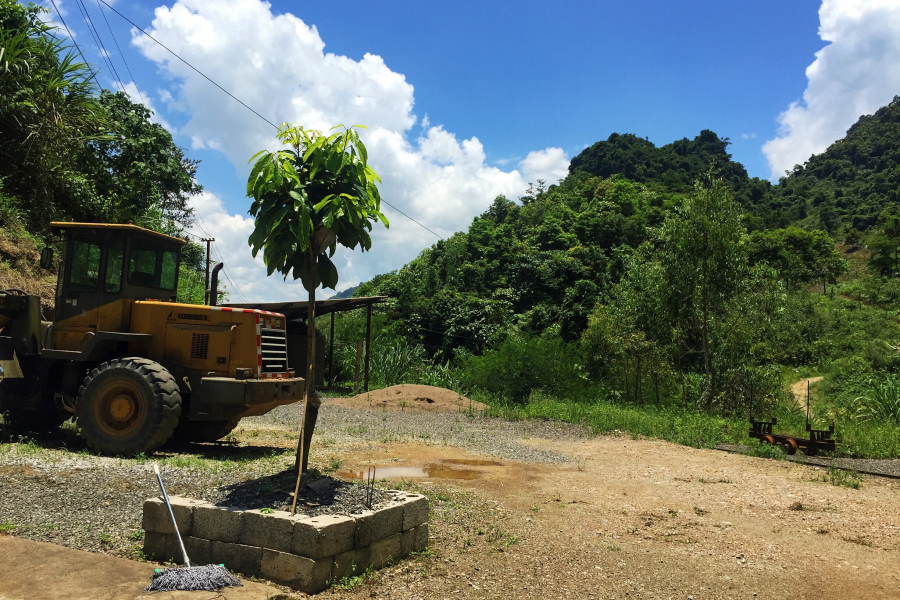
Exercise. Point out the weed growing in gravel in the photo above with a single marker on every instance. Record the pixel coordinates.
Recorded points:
(535, 507)
(6, 526)
(844, 478)
(105, 537)
(267, 486)
(266, 511)
(357, 429)
(136, 535)
(334, 464)
(353, 582)
(768, 451)
(613, 548)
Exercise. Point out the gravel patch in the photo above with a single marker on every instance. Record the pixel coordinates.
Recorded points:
(94, 503)
(477, 434)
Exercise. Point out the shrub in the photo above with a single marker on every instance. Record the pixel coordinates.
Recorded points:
(523, 363)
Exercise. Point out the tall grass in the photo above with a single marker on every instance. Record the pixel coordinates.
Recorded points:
(882, 403)
(675, 424)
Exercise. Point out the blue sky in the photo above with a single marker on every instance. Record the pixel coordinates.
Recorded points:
(466, 100)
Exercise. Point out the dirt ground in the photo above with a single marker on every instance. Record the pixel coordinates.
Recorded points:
(40, 571)
(624, 519)
(412, 397)
(648, 519)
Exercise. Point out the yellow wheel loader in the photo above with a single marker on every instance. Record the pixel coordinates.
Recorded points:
(131, 364)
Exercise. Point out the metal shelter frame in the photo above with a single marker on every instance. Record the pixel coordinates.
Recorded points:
(300, 308)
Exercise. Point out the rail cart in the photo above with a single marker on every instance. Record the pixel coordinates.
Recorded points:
(819, 439)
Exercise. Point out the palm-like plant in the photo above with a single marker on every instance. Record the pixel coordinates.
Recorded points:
(882, 403)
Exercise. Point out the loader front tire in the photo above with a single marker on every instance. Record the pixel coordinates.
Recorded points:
(204, 431)
(128, 406)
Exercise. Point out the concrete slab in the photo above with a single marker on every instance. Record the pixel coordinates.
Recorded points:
(40, 571)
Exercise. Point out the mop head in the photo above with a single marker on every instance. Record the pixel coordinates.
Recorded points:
(209, 578)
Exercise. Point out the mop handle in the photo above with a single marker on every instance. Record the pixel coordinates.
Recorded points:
(187, 562)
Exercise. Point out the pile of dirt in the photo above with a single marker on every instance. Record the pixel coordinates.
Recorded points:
(412, 397)
(20, 268)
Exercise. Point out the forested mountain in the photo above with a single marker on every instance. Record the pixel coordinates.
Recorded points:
(670, 253)
(851, 183)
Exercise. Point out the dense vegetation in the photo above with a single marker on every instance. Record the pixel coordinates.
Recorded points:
(665, 281)
(71, 151)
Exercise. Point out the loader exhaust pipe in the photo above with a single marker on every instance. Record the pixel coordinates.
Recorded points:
(214, 284)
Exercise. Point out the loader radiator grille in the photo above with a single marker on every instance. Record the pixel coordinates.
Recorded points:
(199, 345)
(273, 345)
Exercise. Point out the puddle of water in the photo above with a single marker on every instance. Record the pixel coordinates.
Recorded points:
(472, 462)
(430, 470)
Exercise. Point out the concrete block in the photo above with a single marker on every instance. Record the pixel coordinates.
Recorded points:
(324, 535)
(387, 521)
(415, 511)
(385, 551)
(156, 515)
(217, 524)
(246, 560)
(173, 550)
(155, 545)
(198, 550)
(304, 574)
(274, 530)
(350, 563)
(421, 541)
(407, 541)
(362, 537)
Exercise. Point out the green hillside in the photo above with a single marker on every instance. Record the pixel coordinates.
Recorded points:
(667, 276)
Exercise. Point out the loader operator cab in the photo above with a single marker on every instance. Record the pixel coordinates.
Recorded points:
(131, 364)
(104, 263)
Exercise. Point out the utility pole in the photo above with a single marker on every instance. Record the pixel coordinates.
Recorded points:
(206, 287)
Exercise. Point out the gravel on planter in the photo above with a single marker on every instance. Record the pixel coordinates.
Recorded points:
(331, 496)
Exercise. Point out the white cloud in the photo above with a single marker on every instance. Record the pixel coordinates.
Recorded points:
(855, 74)
(550, 165)
(438, 180)
(748, 136)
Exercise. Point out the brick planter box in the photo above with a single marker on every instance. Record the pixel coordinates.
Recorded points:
(305, 553)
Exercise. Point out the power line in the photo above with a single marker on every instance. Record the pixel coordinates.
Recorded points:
(410, 218)
(94, 34)
(189, 64)
(77, 47)
(108, 26)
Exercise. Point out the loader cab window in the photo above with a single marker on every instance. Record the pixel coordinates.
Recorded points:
(115, 261)
(84, 275)
(152, 265)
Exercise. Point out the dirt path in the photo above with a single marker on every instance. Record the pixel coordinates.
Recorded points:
(800, 390)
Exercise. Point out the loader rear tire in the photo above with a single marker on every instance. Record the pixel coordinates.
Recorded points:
(204, 431)
(128, 406)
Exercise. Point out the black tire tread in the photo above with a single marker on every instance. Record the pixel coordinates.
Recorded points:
(165, 394)
(204, 431)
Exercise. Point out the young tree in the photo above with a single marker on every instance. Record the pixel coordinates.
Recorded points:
(317, 193)
(704, 260)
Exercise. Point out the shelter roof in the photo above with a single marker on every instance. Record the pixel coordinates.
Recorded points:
(299, 308)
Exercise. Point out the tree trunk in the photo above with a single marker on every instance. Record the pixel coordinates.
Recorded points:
(310, 358)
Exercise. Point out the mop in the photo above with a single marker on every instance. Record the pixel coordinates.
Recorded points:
(209, 578)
